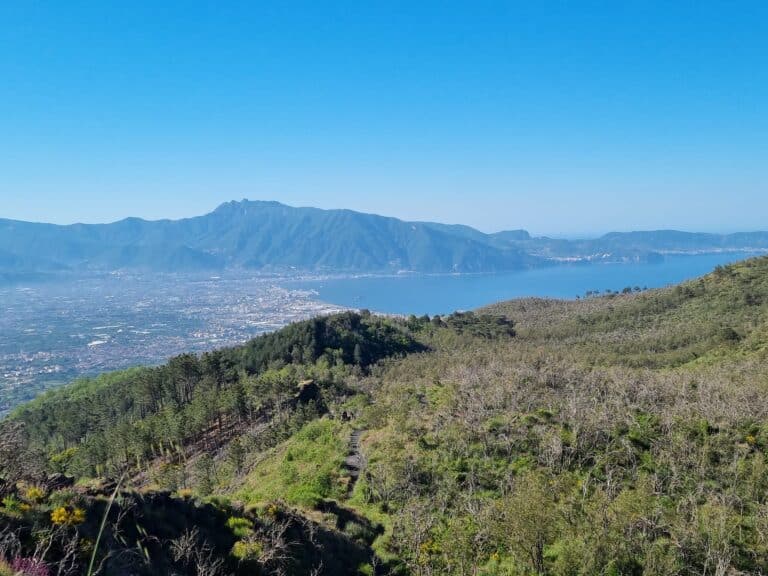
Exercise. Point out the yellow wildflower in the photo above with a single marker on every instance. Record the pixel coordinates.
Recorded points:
(60, 516)
(77, 516)
(185, 493)
(34, 494)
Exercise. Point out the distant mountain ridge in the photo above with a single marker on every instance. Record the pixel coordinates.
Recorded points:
(268, 235)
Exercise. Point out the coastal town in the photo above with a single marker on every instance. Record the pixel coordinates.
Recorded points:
(53, 333)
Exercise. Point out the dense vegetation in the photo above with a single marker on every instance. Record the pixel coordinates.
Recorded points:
(127, 418)
(619, 435)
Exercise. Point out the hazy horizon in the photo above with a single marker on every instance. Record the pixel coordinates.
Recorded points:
(568, 120)
(575, 235)
(369, 368)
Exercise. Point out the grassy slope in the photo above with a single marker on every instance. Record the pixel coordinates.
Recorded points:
(442, 414)
(651, 401)
(643, 414)
(302, 471)
(720, 314)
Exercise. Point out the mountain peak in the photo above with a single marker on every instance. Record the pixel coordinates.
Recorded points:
(266, 234)
(246, 203)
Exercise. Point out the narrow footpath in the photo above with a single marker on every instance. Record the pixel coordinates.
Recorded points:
(354, 461)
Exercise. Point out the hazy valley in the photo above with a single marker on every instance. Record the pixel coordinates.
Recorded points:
(494, 301)
(54, 331)
(257, 235)
(485, 443)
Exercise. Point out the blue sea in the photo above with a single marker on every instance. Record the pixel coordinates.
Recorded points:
(441, 294)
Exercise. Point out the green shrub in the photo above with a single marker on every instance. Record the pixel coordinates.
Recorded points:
(240, 527)
(12, 506)
(359, 532)
(245, 550)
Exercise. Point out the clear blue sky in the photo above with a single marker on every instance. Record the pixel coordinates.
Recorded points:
(559, 117)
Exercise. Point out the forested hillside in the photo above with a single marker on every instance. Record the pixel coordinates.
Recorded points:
(614, 435)
(256, 235)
